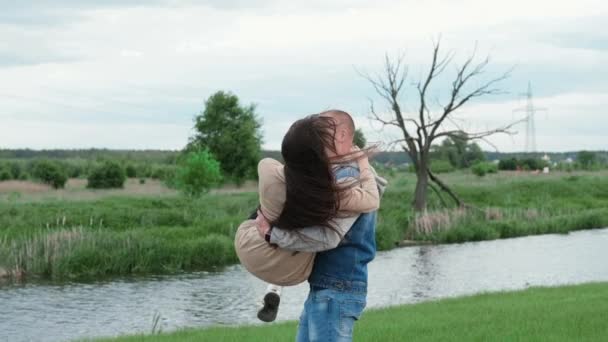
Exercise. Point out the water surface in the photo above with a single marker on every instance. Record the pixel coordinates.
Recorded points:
(51, 312)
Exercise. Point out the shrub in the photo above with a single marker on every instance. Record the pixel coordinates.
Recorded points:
(108, 175)
(50, 172)
(10, 171)
(481, 169)
(492, 168)
(5, 174)
(441, 166)
(532, 164)
(131, 171)
(16, 170)
(586, 159)
(197, 172)
(508, 164)
(74, 170)
(143, 170)
(158, 172)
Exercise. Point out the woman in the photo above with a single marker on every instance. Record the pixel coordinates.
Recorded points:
(305, 198)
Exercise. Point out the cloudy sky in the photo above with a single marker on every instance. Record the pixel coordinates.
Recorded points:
(132, 74)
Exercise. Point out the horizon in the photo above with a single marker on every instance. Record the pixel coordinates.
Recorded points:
(264, 150)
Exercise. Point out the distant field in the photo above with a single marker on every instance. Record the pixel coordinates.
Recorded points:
(76, 190)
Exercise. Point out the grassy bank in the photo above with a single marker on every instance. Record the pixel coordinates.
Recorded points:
(571, 313)
(73, 239)
(508, 204)
(114, 236)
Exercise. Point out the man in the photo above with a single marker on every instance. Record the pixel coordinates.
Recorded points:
(338, 282)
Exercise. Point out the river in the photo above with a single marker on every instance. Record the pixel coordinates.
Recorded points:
(63, 312)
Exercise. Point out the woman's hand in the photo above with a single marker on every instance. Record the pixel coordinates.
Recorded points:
(361, 156)
(262, 224)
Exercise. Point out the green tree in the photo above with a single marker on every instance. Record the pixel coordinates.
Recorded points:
(231, 133)
(130, 171)
(482, 168)
(458, 150)
(106, 176)
(359, 139)
(16, 170)
(509, 164)
(50, 172)
(197, 172)
(586, 159)
(532, 163)
(5, 173)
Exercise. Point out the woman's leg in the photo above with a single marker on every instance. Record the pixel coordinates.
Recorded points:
(271, 301)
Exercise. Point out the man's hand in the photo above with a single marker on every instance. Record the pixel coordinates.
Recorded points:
(262, 224)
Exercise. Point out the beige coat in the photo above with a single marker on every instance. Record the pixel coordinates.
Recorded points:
(280, 266)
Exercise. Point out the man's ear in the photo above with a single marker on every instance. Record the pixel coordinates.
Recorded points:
(342, 134)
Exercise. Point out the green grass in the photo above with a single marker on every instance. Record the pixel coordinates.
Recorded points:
(569, 313)
(117, 236)
(511, 205)
(74, 239)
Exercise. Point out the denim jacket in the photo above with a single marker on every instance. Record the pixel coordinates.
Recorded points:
(344, 268)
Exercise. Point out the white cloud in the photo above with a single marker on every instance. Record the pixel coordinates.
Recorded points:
(155, 63)
(49, 135)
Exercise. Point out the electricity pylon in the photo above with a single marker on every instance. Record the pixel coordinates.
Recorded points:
(530, 111)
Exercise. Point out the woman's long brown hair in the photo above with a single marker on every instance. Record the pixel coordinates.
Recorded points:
(312, 194)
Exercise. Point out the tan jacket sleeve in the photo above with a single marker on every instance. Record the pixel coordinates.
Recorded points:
(271, 187)
(363, 197)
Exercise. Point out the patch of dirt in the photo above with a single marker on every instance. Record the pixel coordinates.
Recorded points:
(23, 187)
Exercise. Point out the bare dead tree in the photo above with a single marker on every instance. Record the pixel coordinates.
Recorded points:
(423, 127)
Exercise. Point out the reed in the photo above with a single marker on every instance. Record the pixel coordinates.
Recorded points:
(66, 239)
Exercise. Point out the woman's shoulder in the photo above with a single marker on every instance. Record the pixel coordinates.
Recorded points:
(269, 165)
(271, 187)
(270, 168)
(269, 162)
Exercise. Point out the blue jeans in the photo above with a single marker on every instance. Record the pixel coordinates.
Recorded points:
(330, 315)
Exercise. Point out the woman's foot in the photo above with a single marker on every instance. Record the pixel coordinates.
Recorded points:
(272, 298)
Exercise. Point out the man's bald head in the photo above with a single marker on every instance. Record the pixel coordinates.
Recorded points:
(345, 130)
(342, 118)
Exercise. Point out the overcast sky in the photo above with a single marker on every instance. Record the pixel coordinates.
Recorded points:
(132, 74)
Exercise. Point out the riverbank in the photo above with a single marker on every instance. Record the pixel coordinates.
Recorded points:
(60, 239)
(538, 314)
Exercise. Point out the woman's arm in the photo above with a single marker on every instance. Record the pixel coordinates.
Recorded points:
(364, 197)
(313, 239)
(309, 239)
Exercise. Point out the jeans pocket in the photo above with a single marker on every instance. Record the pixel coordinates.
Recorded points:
(350, 311)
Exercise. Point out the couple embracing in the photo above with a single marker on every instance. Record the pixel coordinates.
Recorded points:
(316, 222)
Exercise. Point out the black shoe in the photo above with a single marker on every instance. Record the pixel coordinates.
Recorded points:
(271, 307)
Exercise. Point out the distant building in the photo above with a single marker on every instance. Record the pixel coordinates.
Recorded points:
(546, 158)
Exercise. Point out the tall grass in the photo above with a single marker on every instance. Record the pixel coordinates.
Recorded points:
(92, 253)
(79, 240)
(460, 225)
(135, 235)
